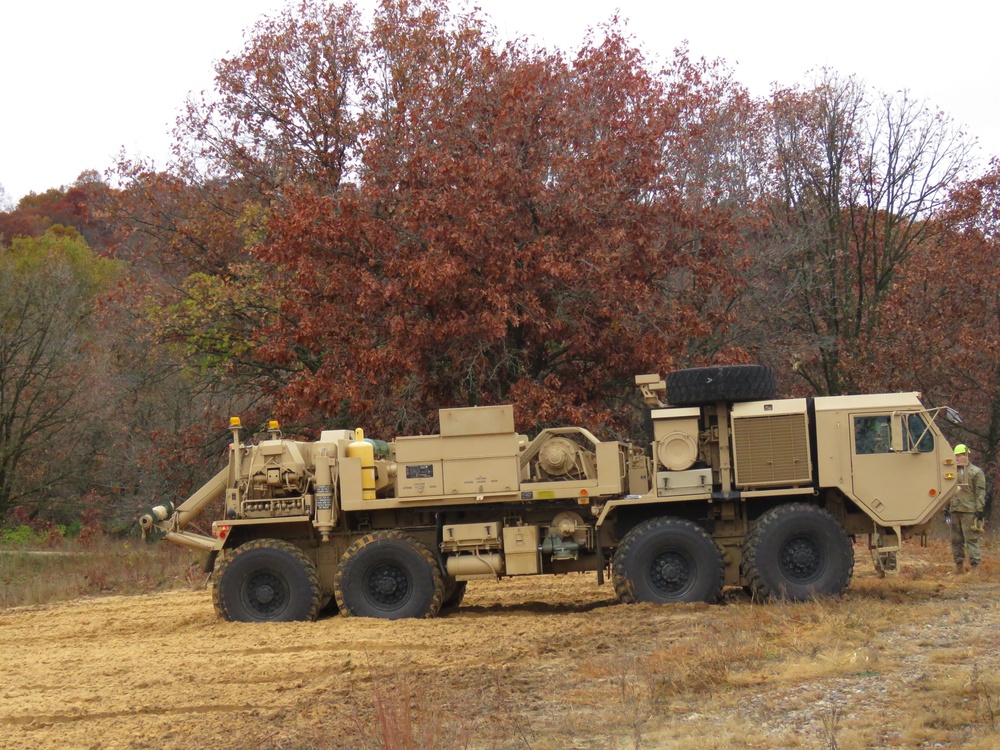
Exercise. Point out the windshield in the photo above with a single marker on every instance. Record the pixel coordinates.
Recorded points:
(918, 437)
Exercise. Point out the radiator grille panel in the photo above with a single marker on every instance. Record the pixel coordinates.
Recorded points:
(771, 451)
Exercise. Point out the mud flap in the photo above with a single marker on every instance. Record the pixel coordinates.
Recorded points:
(210, 561)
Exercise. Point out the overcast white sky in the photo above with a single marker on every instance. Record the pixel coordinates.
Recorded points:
(80, 81)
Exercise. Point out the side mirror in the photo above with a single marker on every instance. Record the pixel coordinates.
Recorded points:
(952, 416)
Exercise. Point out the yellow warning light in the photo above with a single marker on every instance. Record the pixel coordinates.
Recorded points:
(235, 422)
(949, 475)
(273, 425)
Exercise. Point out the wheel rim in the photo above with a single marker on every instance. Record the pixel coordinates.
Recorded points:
(671, 572)
(388, 586)
(801, 559)
(265, 593)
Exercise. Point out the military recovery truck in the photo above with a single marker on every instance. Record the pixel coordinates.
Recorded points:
(736, 488)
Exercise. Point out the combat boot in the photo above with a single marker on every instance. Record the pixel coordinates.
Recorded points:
(959, 569)
(974, 567)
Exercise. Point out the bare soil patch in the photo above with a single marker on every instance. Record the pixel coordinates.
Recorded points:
(905, 661)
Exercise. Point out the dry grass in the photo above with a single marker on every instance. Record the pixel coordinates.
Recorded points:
(99, 567)
(842, 674)
(555, 664)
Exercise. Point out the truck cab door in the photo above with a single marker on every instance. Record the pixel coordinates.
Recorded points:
(895, 467)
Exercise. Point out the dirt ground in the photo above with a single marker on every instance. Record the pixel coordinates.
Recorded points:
(906, 661)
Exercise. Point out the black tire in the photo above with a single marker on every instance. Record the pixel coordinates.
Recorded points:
(665, 560)
(389, 574)
(266, 580)
(454, 593)
(797, 551)
(731, 383)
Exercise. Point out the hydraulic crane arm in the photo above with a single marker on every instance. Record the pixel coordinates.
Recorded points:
(171, 521)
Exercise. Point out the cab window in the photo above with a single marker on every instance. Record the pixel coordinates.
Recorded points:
(871, 435)
(918, 437)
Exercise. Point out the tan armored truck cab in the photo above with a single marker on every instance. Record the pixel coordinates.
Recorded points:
(737, 488)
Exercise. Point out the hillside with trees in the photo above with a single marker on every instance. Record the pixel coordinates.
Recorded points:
(368, 219)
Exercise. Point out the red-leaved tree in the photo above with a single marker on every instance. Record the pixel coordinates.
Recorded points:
(431, 218)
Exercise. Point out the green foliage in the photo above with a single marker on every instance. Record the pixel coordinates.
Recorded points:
(29, 257)
(212, 318)
(39, 534)
(18, 536)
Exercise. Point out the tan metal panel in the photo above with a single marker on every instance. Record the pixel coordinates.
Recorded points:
(480, 446)
(520, 546)
(683, 482)
(418, 479)
(438, 447)
(470, 535)
(421, 448)
(480, 475)
(477, 420)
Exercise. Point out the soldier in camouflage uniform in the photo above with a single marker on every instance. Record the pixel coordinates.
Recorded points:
(965, 512)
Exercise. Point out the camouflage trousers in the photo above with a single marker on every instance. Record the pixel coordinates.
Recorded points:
(964, 537)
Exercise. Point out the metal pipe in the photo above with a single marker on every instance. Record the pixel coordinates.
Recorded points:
(490, 563)
(187, 539)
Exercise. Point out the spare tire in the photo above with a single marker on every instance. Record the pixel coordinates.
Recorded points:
(708, 385)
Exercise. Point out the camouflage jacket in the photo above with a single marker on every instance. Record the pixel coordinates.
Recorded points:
(971, 495)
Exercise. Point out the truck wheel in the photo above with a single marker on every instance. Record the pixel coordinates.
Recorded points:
(731, 383)
(666, 560)
(797, 551)
(389, 574)
(454, 593)
(266, 580)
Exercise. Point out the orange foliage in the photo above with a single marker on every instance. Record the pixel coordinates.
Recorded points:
(445, 221)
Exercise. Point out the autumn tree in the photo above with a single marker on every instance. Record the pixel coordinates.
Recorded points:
(50, 395)
(512, 237)
(856, 176)
(941, 324)
(436, 218)
(79, 206)
(285, 107)
(282, 115)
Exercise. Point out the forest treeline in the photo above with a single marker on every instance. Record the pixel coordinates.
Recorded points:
(369, 218)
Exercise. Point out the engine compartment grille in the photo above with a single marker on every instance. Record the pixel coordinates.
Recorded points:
(771, 451)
